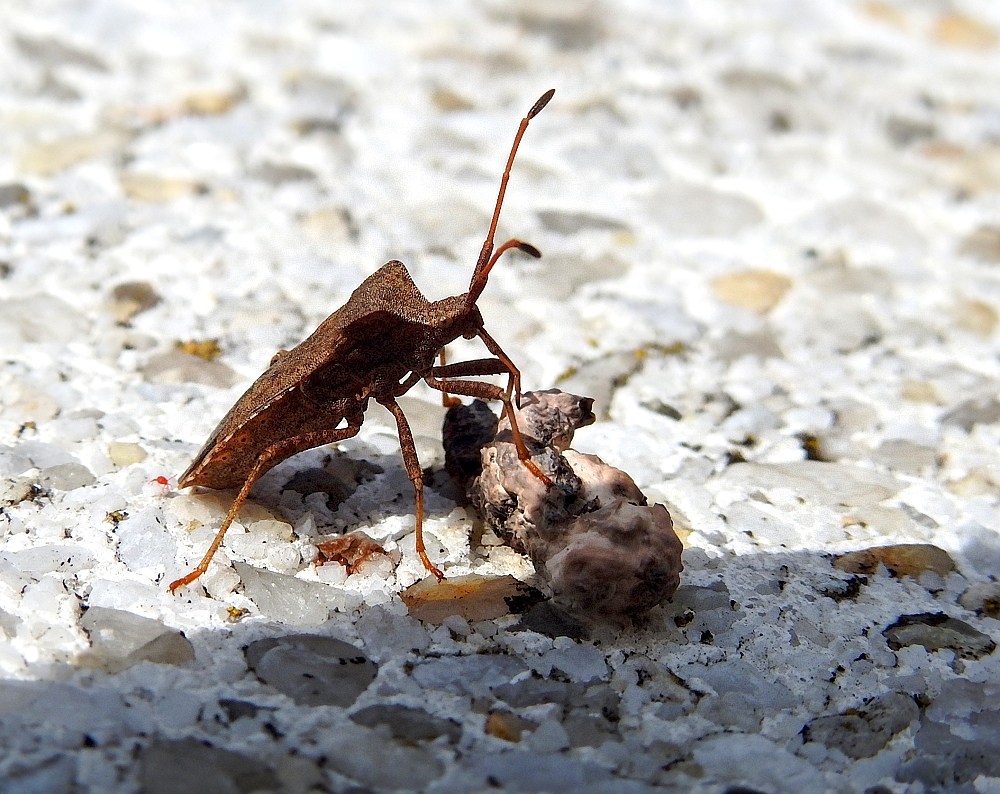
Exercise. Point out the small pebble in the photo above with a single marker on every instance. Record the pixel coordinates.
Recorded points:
(131, 298)
(13, 194)
(507, 726)
(902, 560)
(976, 316)
(329, 225)
(145, 543)
(62, 558)
(976, 411)
(155, 189)
(573, 222)
(408, 724)
(982, 243)
(473, 675)
(16, 490)
(292, 601)
(367, 757)
(312, 670)
(580, 662)
(757, 290)
(175, 366)
(39, 318)
(46, 159)
(124, 454)
(213, 101)
(863, 732)
(66, 477)
(120, 640)
(936, 631)
(964, 32)
(169, 766)
(905, 456)
(472, 597)
(983, 599)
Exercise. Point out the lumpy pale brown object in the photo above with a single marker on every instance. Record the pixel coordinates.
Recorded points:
(605, 553)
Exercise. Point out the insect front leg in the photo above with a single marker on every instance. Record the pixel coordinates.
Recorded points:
(487, 391)
(412, 465)
(514, 384)
(276, 453)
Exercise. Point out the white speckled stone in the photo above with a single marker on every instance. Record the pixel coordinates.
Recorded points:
(770, 246)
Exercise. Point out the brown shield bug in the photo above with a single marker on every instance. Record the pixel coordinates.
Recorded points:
(376, 346)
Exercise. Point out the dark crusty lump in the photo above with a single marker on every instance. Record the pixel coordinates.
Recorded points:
(605, 553)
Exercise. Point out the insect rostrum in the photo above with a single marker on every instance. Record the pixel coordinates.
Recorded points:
(378, 345)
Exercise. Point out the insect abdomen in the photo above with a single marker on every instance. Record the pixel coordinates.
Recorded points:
(231, 456)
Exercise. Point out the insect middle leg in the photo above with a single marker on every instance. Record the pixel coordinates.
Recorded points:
(412, 465)
(464, 369)
(446, 399)
(487, 391)
(277, 452)
(478, 366)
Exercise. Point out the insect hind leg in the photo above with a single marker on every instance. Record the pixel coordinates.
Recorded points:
(277, 452)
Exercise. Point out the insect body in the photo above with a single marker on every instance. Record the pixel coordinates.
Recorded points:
(378, 345)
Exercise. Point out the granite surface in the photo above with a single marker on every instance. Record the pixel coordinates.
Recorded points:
(771, 249)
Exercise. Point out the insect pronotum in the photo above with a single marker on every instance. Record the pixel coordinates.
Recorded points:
(376, 346)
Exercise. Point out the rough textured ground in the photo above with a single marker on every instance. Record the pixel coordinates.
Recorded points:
(771, 247)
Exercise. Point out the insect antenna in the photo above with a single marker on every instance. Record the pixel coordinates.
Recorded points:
(487, 257)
